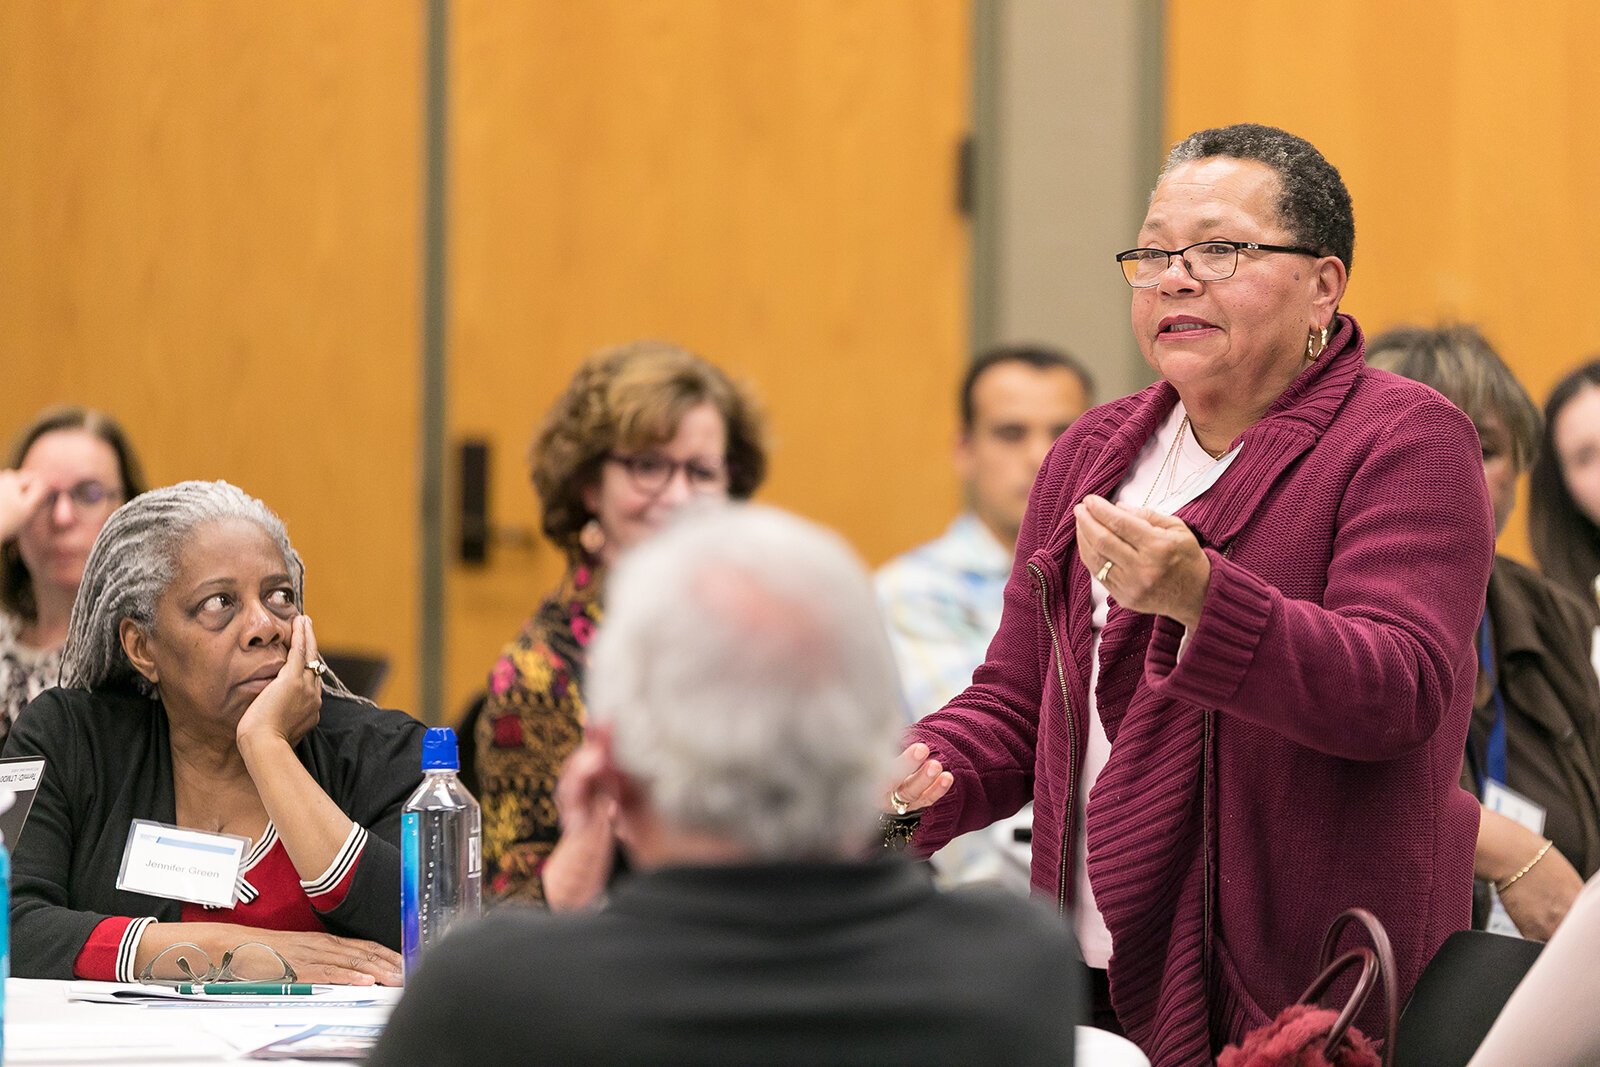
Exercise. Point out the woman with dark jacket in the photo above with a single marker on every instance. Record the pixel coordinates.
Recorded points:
(194, 698)
(1533, 750)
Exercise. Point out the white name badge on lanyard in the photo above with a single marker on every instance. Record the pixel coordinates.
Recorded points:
(190, 865)
(1513, 805)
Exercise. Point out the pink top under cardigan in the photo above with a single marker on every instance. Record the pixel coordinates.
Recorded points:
(1304, 757)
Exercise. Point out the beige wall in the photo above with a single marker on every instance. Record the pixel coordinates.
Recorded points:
(1068, 142)
(1466, 133)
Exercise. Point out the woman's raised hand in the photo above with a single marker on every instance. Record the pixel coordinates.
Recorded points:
(21, 495)
(922, 781)
(1149, 561)
(291, 704)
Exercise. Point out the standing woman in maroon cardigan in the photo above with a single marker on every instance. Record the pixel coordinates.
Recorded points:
(1235, 666)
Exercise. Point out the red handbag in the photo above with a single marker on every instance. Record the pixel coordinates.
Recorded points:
(1306, 1035)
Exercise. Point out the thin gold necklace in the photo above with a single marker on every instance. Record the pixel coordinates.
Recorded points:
(1171, 451)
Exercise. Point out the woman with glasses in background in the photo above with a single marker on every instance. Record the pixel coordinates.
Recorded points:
(192, 697)
(641, 430)
(68, 470)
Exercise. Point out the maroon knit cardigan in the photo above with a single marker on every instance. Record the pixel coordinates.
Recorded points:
(1304, 756)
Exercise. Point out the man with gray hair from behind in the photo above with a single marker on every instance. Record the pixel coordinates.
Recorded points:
(743, 721)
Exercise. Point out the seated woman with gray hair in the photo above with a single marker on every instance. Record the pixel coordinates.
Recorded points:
(193, 698)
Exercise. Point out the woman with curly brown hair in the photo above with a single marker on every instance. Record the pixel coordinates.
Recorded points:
(641, 430)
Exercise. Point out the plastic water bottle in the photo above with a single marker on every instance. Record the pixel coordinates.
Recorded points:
(441, 850)
(7, 798)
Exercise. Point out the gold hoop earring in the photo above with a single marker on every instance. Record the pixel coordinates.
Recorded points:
(1316, 342)
(592, 538)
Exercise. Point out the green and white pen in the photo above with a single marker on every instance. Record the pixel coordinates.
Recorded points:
(271, 989)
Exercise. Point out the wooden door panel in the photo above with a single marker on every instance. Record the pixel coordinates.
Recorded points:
(769, 183)
(210, 229)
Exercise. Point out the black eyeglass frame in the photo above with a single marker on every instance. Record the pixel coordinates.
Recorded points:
(1124, 258)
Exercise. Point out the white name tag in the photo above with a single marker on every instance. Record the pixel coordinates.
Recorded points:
(19, 776)
(1513, 805)
(167, 861)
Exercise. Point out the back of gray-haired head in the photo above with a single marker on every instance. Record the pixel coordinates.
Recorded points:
(1314, 204)
(135, 559)
(748, 681)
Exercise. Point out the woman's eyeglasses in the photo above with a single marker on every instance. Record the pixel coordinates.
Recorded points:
(650, 472)
(253, 961)
(85, 496)
(1207, 261)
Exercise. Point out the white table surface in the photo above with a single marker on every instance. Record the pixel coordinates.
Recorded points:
(43, 1027)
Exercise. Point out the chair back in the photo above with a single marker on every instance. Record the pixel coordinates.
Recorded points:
(1458, 997)
(362, 673)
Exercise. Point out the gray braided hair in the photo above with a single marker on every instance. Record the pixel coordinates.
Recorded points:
(136, 558)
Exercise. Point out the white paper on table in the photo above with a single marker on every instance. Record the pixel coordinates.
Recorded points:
(46, 1043)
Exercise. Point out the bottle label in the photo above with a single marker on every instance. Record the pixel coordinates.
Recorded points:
(410, 888)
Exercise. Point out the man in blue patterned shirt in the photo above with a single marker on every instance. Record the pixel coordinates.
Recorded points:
(942, 600)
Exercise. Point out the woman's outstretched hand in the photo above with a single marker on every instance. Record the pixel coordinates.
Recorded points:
(1156, 565)
(922, 781)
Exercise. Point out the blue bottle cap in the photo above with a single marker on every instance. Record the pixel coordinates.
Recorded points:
(439, 750)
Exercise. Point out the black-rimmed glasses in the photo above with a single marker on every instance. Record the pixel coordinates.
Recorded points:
(1206, 261)
(253, 961)
(650, 472)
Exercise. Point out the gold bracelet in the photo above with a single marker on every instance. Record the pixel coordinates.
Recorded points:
(1501, 887)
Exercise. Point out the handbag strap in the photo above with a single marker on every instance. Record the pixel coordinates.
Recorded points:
(1375, 962)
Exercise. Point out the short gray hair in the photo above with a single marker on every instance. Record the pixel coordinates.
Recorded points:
(1314, 204)
(135, 559)
(749, 683)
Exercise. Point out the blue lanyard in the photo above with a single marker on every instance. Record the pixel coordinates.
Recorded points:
(1494, 769)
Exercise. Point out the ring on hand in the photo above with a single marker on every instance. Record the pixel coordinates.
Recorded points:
(1105, 569)
(317, 666)
(901, 804)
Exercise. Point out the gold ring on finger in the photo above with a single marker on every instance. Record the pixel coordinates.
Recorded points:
(901, 804)
(1105, 569)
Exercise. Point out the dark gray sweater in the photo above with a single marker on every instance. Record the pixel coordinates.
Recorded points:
(846, 963)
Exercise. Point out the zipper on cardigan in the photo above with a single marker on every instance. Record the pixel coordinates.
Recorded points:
(1207, 903)
(1207, 814)
(1072, 742)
